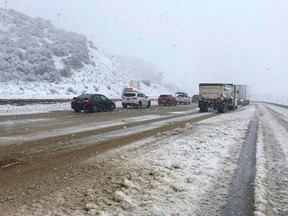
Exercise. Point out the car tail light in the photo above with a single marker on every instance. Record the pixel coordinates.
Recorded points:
(87, 101)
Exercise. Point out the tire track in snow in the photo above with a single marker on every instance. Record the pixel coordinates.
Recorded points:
(241, 196)
(217, 197)
(276, 163)
(280, 168)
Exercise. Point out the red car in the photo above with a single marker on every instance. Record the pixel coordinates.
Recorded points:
(167, 99)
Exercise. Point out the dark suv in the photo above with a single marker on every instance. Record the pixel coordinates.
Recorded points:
(167, 99)
(92, 103)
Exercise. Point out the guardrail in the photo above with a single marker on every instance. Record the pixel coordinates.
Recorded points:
(275, 104)
(279, 105)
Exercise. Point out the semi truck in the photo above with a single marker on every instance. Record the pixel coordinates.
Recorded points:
(221, 96)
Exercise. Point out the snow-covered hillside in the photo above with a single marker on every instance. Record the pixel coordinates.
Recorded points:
(39, 61)
(106, 77)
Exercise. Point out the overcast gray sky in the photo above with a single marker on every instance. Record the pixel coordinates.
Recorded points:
(193, 41)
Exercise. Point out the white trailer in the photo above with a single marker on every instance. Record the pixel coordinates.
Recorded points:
(242, 94)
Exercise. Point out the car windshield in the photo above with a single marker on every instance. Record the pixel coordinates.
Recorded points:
(85, 96)
(129, 94)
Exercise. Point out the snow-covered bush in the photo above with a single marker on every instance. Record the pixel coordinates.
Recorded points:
(29, 47)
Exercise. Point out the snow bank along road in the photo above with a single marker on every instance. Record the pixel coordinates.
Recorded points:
(158, 161)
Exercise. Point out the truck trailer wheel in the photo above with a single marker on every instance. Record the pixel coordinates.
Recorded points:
(223, 109)
(204, 107)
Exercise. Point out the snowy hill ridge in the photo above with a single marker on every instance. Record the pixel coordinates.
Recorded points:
(38, 60)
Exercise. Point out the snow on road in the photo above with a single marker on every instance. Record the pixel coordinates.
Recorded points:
(93, 126)
(180, 172)
(271, 183)
(186, 171)
(177, 177)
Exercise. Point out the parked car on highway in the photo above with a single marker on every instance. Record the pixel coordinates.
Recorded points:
(135, 99)
(167, 99)
(92, 103)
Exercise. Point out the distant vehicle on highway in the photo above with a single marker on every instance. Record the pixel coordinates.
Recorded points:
(167, 99)
(92, 103)
(182, 98)
(135, 99)
(134, 86)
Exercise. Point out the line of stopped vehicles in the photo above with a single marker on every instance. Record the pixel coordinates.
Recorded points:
(216, 96)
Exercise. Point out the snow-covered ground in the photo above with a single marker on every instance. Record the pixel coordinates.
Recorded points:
(182, 172)
(36, 108)
(271, 183)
